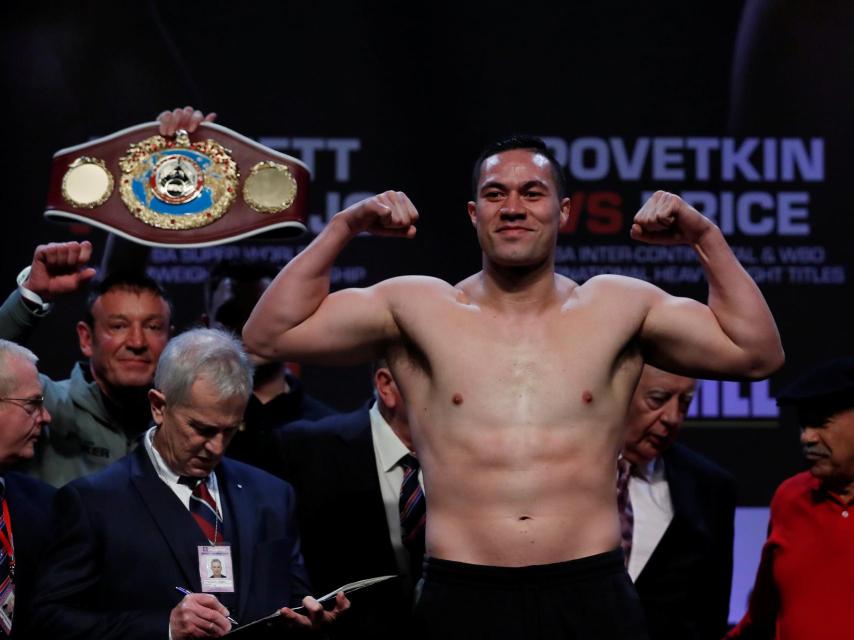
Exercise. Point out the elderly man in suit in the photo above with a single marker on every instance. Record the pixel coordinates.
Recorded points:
(153, 521)
(25, 502)
(350, 473)
(678, 520)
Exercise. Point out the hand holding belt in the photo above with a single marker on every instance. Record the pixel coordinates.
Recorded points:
(205, 188)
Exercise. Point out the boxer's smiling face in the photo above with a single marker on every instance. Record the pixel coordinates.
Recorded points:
(518, 210)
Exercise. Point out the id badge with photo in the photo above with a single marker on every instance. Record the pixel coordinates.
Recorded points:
(215, 569)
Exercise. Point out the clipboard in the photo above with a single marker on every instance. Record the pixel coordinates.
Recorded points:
(269, 624)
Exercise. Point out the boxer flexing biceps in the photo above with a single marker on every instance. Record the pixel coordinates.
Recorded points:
(517, 381)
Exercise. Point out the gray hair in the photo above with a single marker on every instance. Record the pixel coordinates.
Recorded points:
(9, 350)
(212, 354)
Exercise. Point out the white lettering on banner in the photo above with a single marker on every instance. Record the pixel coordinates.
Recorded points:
(802, 255)
(308, 148)
(177, 274)
(334, 204)
(727, 399)
(269, 253)
(585, 272)
(754, 213)
(678, 264)
(816, 275)
(696, 159)
(342, 148)
(273, 254)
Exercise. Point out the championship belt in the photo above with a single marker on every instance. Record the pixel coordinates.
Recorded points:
(192, 190)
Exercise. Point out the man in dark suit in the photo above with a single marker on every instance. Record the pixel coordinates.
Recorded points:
(683, 508)
(347, 473)
(25, 501)
(129, 535)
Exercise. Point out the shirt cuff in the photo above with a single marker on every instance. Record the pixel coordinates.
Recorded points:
(37, 305)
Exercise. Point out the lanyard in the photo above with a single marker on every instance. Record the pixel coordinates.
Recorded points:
(7, 542)
(215, 541)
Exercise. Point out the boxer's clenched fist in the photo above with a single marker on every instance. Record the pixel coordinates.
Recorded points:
(385, 214)
(667, 219)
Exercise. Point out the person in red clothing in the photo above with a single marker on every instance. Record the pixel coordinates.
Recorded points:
(805, 583)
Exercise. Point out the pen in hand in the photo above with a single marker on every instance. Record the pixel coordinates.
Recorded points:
(187, 592)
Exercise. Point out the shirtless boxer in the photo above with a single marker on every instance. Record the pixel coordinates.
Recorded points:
(517, 382)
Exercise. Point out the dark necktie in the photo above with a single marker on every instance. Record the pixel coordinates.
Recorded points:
(204, 510)
(413, 512)
(624, 504)
(7, 560)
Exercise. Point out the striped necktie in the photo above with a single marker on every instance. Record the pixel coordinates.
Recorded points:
(204, 509)
(7, 563)
(624, 504)
(413, 512)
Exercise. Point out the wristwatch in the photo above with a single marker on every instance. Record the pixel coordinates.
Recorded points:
(32, 300)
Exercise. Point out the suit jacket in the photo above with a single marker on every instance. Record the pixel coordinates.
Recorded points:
(255, 443)
(125, 541)
(29, 508)
(685, 585)
(332, 465)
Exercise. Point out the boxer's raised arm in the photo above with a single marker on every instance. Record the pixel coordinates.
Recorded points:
(734, 334)
(298, 319)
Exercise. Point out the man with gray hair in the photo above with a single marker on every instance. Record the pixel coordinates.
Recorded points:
(166, 511)
(24, 501)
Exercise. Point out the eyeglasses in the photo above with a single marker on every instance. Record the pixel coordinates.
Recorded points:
(31, 405)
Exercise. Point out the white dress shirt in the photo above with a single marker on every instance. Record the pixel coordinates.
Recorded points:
(653, 511)
(388, 450)
(171, 478)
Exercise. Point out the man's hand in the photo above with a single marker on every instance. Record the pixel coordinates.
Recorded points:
(187, 119)
(198, 615)
(386, 214)
(316, 616)
(667, 219)
(58, 268)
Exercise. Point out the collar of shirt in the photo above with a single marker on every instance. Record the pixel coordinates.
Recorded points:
(388, 450)
(388, 446)
(168, 476)
(821, 492)
(652, 471)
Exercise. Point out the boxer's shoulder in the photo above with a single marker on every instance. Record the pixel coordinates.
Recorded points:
(408, 286)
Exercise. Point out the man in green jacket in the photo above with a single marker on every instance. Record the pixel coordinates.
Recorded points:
(99, 411)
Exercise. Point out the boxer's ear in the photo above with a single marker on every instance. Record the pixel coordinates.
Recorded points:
(565, 211)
